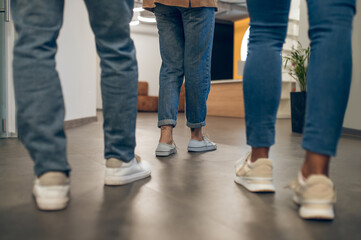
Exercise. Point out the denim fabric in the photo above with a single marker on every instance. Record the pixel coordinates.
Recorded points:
(40, 106)
(185, 39)
(328, 76)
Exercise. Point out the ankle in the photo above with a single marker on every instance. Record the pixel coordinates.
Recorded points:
(196, 134)
(259, 152)
(315, 164)
(166, 134)
(166, 140)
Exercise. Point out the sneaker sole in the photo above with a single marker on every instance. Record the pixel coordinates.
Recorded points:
(202, 149)
(326, 213)
(51, 204)
(165, 153)
(315, 211)
(116, 180)
(256, 187)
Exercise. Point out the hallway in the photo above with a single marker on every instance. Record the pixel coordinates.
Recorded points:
(189, 196)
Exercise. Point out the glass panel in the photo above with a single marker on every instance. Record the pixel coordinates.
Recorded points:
(2, 74)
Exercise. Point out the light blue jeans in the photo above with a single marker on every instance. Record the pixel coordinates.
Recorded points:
(185, 40)
(39, 99)
(328, 76)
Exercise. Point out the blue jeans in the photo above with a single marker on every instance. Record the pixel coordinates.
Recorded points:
(328, 76)
(185, 39)
(39, 99)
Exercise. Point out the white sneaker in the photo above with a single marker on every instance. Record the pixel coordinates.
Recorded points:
(119, 173)
(316, 196)
(51, 191)
(201, 146)
(165, 150)
(256, 176)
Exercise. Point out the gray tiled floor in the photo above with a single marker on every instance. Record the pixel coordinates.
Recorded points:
(189, 196)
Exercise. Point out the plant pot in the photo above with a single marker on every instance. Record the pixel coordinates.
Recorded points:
(298, 111)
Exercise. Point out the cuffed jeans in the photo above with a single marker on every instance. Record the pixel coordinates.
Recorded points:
(328, 75)
(39, 99)
(185, 39)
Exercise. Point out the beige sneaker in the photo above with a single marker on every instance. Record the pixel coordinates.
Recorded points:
(51, 191)
(257, 176)
(315, 195)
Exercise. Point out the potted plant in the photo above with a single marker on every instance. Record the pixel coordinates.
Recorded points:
(296, 63)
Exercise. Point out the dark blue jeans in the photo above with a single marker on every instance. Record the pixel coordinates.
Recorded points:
(185, 40)
(328, 76)
(39, 99)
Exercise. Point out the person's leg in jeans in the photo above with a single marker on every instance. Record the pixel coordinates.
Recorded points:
(328, 80)
(328, 86)
(262, 72)
(40, 106)
(119, 84)
(198, 31)
(185, 37)
(171, 43)
(262, 90)
(119, 76)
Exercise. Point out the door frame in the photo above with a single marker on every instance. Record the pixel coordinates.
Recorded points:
(11, 127)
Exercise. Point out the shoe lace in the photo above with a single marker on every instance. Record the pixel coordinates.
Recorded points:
(207, 140)
(242, 160)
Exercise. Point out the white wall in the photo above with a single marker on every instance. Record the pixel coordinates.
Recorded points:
(353, 113)
(76, 62)
(146, 40)
(303, 25)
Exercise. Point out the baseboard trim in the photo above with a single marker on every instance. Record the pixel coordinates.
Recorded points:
(351, 132)
(79, 122)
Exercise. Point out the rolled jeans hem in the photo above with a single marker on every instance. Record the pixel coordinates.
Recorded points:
(318, 150)
(196, 125)
(164, 122)
(258, 136)
(260, 145)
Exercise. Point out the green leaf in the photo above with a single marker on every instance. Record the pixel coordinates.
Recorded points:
(296, 64)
